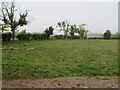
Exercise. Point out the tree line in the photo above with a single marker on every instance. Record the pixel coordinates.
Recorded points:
(10, 21)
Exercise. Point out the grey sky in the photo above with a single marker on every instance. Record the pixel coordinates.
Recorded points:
(99, 16)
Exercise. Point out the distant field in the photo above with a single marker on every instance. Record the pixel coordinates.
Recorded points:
(60, 58)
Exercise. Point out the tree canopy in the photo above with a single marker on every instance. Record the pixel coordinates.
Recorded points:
(49, 31)
(9, 17)
(107, 34)
(64, 26)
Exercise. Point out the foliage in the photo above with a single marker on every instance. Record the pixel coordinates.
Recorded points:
(102, 38)
(39, 36)
(82, 31)
(117, 35)
(107, 34)
(73, 37)
(72, 30)
(6, 36)
(48, 32)
(59, 36)
(95, 38)
(9, 18)
(36, 36)
(3, 27)
(68, 37)
(53, 58)
(76, 37)
(24, 36)
(64, 26)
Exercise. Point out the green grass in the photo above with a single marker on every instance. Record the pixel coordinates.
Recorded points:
(61, 58)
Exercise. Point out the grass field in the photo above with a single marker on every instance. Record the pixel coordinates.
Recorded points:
(60, 58)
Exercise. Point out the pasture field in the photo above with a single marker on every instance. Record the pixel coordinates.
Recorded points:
(52, 58)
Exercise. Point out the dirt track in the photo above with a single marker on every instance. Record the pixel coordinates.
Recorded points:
(62, 82)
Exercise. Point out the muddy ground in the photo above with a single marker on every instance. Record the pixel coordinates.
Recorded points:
(62, 82)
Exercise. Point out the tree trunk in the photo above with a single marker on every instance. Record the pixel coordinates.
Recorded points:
(65, 33)
(13, 34)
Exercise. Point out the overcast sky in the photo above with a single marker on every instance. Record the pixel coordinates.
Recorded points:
(99, 16)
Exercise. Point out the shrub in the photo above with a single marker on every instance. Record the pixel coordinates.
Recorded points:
(44, 36)
(102, 38)
(59, 37)
(35, 36)
(6, 36)
(76, 37)
(48, 32)
(115, 38)
(39, 36)
(107, 34)
(69, 37)
(24, 36)
(95, 38)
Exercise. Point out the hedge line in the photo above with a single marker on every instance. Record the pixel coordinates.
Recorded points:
(101, 38)
(68, 37)
(41, 36)
(6, 36)
(29, 36)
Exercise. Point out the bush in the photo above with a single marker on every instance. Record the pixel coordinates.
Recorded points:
(39, 36)
(73, 37)
(35, 36)
(24, 36)
(44, 36)
(101, 38)
(29, 36)
(95, 38)
(76, 37)
(69, 37)
(6, 36)
(59, 37)
(114, 38)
